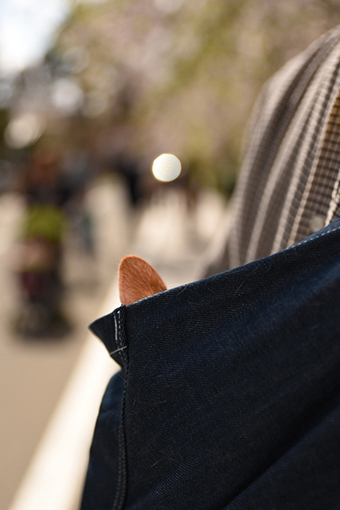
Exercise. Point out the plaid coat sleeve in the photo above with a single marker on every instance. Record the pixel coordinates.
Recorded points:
(288, 186)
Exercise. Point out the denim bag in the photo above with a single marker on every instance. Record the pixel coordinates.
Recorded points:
(228, 396)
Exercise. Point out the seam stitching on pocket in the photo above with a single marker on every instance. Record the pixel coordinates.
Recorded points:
(122, 469)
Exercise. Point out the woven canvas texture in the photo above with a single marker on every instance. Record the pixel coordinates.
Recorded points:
(288, 185)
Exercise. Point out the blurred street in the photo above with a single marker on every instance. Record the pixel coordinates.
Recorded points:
(34, 371)
(92, 95)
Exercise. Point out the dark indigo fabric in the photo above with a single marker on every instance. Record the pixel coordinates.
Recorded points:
(229, 394)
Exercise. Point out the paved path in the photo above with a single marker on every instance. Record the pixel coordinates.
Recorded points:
(34, 373)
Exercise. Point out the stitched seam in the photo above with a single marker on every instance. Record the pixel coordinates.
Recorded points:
(122, 471)
(119, 482)
(316, 237)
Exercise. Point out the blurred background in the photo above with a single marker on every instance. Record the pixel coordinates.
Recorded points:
(91, 93)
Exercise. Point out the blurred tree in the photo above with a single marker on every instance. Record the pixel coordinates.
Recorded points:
(181, 76)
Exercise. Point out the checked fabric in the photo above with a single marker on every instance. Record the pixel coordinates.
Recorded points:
(288, 186)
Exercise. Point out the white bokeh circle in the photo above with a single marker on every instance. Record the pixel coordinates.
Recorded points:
(166, 167)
